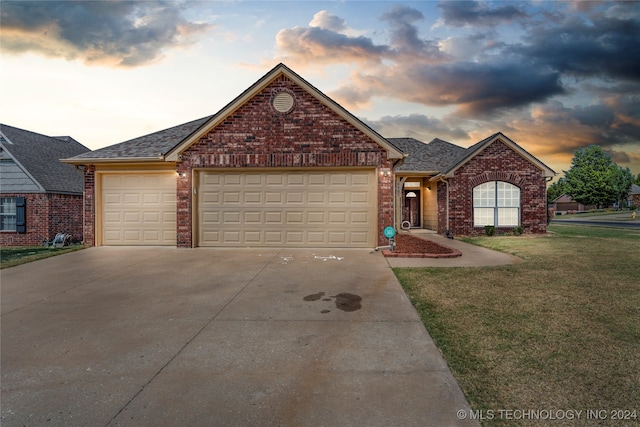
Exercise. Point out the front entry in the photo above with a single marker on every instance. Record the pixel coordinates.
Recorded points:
(411, 208)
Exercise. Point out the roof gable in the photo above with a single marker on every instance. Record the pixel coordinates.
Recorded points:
(38, 156)
(477, 148)
(278, 71)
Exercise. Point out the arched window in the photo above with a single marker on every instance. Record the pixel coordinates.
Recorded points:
(496, 203)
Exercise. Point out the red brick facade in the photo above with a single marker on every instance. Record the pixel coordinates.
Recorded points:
(256, 136)
(497, 162)
(89, 211)
(46, 216)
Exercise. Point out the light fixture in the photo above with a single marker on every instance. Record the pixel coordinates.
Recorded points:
(385, 172)
(411, 195)
(182, 174)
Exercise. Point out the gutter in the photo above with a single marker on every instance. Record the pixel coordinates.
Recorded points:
(96, 160)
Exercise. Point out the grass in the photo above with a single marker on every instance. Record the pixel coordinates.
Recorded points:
(11, 256)
(560, 331)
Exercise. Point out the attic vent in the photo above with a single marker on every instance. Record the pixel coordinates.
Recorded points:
(282, 102)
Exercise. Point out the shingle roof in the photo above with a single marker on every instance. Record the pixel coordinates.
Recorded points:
(434, 156)
(153, 145)
(40, 155)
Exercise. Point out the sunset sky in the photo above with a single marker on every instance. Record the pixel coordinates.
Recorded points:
(552, 76)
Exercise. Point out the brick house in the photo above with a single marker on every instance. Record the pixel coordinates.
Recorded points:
(280, 165)
(39, 195)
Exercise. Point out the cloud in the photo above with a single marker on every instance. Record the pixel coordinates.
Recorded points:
(591, 45)
(315, 44)
(479, 14)
(554, 76)
(328, 21)
(115, 33)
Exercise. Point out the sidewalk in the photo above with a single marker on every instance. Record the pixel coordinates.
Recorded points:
(472, 255)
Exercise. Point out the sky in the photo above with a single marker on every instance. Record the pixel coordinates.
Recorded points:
(552, 76)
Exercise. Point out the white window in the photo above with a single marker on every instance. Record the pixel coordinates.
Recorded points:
(496, 203)
(7, 214)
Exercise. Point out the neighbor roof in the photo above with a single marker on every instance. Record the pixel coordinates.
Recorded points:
(39, 156)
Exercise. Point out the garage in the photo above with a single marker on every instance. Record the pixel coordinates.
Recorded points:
(139, 209)
(294, 208)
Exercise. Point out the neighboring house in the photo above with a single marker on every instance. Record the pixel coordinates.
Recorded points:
(634, 196)
(565, 204)
(39, 195)
(284, 165)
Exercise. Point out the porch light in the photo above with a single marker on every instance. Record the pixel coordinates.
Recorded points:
(411, 195)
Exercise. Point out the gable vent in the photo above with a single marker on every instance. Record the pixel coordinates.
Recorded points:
(282, 102)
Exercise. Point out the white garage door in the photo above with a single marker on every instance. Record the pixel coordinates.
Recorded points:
(287, 208)
(139, 209)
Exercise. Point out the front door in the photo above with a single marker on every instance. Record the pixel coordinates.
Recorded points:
(411, 208)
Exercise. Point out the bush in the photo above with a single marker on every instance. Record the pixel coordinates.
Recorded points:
(489, 230)
(518, 230)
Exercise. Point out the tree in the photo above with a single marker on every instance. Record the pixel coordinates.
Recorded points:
(595, 179)
(622, 185)
(636, 180)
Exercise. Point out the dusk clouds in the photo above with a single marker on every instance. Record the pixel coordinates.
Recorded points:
(522, 68)
(117, 33)
(553, 76)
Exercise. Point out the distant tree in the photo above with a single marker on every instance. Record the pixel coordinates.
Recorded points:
(556, 190)
(622, 185)
(595, 179)
(636, 180)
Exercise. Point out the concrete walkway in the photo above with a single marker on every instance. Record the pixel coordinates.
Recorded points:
(472, 255)
(163, 336)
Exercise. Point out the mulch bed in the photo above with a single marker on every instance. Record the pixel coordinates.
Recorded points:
(408, 246)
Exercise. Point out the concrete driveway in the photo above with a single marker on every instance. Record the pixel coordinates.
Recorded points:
(163, 336)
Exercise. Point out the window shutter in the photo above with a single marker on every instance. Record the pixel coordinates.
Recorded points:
(21, 215)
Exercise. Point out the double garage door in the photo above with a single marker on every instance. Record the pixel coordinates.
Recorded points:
(243, 208)
(287, 208)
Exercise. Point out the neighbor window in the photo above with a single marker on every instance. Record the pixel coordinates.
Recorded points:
(7, 213)
(13, 214)
(496, 203)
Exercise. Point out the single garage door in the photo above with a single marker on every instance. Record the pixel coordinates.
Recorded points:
(139, 209)
(287, 208)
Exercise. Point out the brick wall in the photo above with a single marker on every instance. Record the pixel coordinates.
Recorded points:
(47, 215)
(89, 211)
(257, 136)
(498, 162)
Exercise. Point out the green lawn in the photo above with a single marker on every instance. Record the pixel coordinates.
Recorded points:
(11, 256)
(560, 331)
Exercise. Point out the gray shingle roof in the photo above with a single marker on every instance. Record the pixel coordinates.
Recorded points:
(152, 145)
(40, 155)
(434, 156)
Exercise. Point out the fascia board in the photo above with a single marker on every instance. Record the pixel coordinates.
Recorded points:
(94, 161)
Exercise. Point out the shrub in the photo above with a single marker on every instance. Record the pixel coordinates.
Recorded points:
(489, 230)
